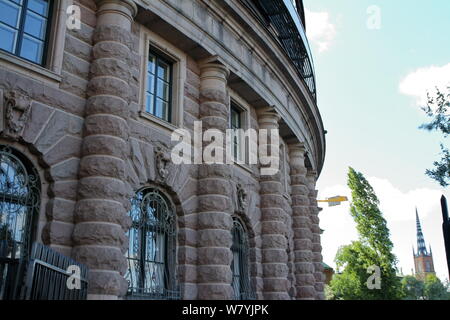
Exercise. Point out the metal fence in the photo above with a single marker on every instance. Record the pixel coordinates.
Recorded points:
(46, 275)
(139, 294)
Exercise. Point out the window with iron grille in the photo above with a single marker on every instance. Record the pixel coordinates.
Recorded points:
(19, 209)
(152, 247)
(24, 28)
(240, 265)
(159, 87)
(19, 203)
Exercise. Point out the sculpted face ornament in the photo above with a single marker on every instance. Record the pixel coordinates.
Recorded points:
(15, 113)
(241, 197)
(162, 159)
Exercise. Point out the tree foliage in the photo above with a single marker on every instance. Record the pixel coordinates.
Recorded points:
(434, 289)
(373, 248)
(438, 110)
(430, 289)
(412, 288)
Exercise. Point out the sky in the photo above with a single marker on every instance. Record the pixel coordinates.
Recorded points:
(375, 61)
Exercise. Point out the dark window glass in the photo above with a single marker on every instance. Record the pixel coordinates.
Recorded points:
(239, 265)
(152, 247)
(235, 124)
(159, 87)
(24, 28)
(19, 204)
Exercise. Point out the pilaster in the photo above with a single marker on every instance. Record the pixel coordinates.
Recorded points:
(214, 239)
(101, 211)
(274, 232)
(303, 237)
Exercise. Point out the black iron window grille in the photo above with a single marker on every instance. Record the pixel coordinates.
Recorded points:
(25, 27)
(240, 264)
(152, 247)
(159, 87)
(19, 208)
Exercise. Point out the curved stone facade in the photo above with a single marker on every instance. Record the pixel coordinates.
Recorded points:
(82, 120)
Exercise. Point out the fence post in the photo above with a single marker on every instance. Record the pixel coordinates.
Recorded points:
(446, 230)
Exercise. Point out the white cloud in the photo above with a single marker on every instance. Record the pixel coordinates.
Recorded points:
(417, 83)
(319, 29)
(398, 208)
(397, 205)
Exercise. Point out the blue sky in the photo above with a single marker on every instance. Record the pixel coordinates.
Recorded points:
(370, 83)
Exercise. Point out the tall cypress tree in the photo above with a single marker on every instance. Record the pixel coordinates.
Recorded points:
(374, 248)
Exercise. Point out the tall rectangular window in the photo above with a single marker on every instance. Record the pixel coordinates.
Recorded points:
(24, 28)
(159, 87)
(235, 124)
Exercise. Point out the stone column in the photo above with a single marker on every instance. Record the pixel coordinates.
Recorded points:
(214, 241)
(273, 223)
(316, 246)
(101, 211)
(303, 236)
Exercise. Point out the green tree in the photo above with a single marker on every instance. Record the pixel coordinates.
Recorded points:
(438, 110)
(434, 289)
(413, 288)
(373, 248)
(430, 289)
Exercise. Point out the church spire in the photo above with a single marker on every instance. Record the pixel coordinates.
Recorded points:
(421, 248)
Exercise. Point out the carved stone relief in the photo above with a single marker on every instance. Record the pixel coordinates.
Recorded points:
(14, 114)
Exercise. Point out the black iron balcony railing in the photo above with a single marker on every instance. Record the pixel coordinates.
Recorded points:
(290, 29)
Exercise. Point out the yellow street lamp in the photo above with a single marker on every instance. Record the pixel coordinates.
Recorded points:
(334, 201)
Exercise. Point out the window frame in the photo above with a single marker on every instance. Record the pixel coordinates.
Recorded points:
(150, 41)
(50, 72)
(169, 63)
(34, 189)
(21, 31)
(239, 103)
(237, 142)
(285, 167)
(243, 276)
(170, 290)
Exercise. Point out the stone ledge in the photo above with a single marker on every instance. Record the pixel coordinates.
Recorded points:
(29, 69)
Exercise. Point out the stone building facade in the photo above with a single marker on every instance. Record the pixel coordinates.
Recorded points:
(91, 109)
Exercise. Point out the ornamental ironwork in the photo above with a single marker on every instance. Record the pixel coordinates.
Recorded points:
(152, 247)
(19, 208)
(285, 18)
(240, 264)
(19, 204)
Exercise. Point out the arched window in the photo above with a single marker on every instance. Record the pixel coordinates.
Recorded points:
(19, 203)
(239, 265)
(152, 247)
